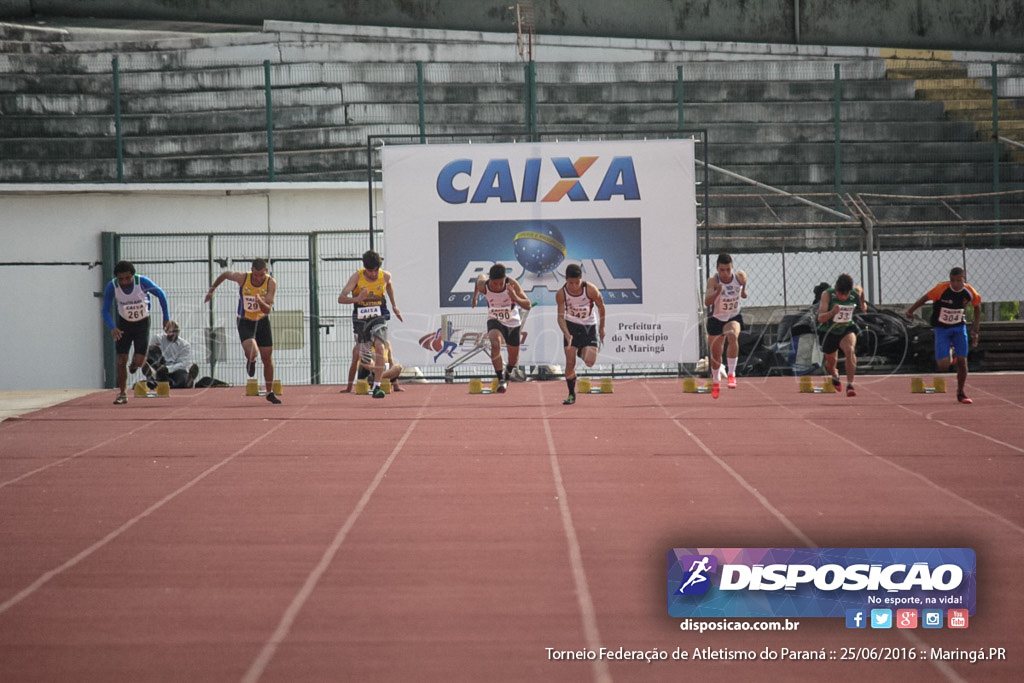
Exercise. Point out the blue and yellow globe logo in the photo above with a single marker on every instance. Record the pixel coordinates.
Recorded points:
(540, 249)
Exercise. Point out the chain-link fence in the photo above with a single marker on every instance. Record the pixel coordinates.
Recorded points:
(313, 337)
(891, 170)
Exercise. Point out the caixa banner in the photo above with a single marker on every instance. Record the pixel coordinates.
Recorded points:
(817, 582)
(624, 211)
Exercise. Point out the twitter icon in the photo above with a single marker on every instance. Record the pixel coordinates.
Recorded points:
(881, 618)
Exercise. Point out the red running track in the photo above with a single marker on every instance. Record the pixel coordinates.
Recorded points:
(439, 536)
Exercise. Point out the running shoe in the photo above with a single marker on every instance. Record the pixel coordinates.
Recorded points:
(849, 391)
(569, 401)
(379, 393)
(272, 397)
(502, 387)
(960, 397)
(250, 368)
(836, 383)
(193, 372)
(122, 399)
(731, 382)
(716, 388)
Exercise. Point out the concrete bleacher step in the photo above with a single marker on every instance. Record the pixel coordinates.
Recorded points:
(965, 95)
(193, 106)
(1001, 344)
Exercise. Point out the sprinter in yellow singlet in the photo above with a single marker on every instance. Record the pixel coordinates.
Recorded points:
(368, 290)
(256, 291)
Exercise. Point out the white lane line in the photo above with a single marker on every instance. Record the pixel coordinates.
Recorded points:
(259, 665)
(922, 478)
(947, 671)
(82, 452)
(579, 576)
(793, 529)
(45, 578)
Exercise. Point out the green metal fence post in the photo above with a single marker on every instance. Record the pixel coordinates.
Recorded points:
(419, 98)
(314, 309)
(837, 95)
(996, 152)
(117, 121)
(211, 341)
(530, 70)
(109, 250)
(679, 97)
(270, 118)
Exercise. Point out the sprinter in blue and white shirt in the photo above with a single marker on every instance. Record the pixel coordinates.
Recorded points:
(131, 293)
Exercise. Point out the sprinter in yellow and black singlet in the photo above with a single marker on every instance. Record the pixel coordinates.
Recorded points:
(368, 290)
(256, 291)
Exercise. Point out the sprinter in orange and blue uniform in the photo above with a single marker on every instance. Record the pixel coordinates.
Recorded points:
(949, 321)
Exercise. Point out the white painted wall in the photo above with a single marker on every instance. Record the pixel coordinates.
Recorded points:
(52, 332)
(51, 335)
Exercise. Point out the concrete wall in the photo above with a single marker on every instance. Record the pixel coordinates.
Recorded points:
(15, 8)
(995, 25)
(53, 333)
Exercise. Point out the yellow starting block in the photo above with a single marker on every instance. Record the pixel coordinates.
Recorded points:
(141, 390)
(938, 386)
(692, 386)
(362, 387)
(252, 387)
(807, 385)
(477, 386)
(585, 385)
(385, 384)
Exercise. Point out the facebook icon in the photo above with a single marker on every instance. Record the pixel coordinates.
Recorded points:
(856, 618)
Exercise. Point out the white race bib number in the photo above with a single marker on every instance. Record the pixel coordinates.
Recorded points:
(365, 312)
(502, 315)
(844, 315)
(250, 304)
(729, 305)
(579, 312)
(133, 312)
(951, 316)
